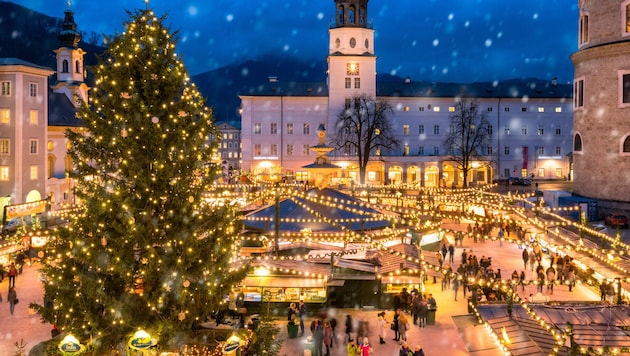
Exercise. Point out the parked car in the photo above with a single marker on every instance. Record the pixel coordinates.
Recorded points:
(520, 181)
(616, 220)
(600, 228)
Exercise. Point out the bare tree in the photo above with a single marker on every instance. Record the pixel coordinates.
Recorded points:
(363, 128)
(468, 135)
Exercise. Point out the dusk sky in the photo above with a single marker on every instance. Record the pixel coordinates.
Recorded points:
(437, 40)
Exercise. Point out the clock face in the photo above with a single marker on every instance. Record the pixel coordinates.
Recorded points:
(337, 42)
(352, 68)
(353, 42)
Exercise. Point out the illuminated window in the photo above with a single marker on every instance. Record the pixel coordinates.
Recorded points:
(34, 172)
(436, 109)
(4, 173)
(406, 152)
(558, 109)
(451, 109)
(4, 146)
(405, 129)
(377, 131)
(371, 176)
(290, 128)
(558, 172)
(33, 117)
(257, 128)
(541, 172)
(5, 116)
(257, 149)
(541, 109)
(406, 108)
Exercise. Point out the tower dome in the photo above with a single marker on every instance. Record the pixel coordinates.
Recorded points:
(68, 35)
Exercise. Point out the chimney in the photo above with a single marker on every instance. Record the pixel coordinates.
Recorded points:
(554, 81)
(407, 80)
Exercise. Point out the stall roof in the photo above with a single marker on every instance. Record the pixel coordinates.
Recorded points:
(283, 282)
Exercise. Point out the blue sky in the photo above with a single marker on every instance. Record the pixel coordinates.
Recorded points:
(438, 40)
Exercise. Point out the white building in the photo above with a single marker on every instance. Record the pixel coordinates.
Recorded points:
(531, 120)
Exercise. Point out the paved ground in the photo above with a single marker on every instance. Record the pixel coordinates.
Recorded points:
(454, 333)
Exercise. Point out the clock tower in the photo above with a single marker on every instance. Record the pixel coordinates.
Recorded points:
(351, 59)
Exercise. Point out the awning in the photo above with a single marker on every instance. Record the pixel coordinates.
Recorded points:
(283, 282)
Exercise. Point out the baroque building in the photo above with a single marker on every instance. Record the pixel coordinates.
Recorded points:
(601, 144)
(531, 120)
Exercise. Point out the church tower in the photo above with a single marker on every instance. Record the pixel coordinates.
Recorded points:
(70, 71)
(351, 59)
(601, 101)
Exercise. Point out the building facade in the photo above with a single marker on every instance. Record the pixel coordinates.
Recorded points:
(230, 151)
(601, 148)
(531, 120)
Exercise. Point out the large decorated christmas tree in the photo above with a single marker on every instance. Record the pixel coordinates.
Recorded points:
(146, 250)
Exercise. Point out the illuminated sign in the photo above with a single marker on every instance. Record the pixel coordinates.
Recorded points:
(141, 340)
(70, 345)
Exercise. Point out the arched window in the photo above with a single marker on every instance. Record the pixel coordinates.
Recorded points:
(340, 16)
(64, 66)
(625, 146)
(351, 13)
(583, 29)
(77, 67)
(51, 166)
(362, 16)
(577, 143)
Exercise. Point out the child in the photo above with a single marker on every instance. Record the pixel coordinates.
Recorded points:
(365, 348)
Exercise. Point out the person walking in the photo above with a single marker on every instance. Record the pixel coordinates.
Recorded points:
(302, 313)
(403, 326)
(422, 312)
(328, 337)
(396, 325)
(525, 256)
(451, 253)
(382, 327)
(12, 299)
(349, 327)
(12, 274)
(455, 286)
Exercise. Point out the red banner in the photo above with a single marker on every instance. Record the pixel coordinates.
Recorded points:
(525, 158)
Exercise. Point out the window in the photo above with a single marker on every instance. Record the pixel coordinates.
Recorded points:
(351, 15)
(32, 144)
(625, 87)
(33, 171)
(32, 89)
(257, 149)
(541, 150)
(583, 29)
(506, 150)
(64, 66)
(77, 67)
(405, 129)
(578, 93)
(33, 117)
(357, 83)
(436, 129)
(507, 130)
(451, 109)
(306, 128)
(306, 149)
(506, 109)
(274, 128)
(421, 129)
(625, 146)
(541, 130)
(523, 109)
(541, 172)
(289, 150)
(490, 129)
(524, 130)
(436, 151)
(6, 89)
(4, 173)
(4, 146)
(558, 131)
(5, 116)
(273, 150)
(347, 103)
(257, 128)
(436, 109)
(558, 109)
(506, 172)
(558, 172)
(489, 108)
(577, 143)
(340, 16)
(541, 109)
(378, 151)
(421, 150)
(406, 109)
(490, 151)
(406, 150)
(348, 83)
(558, 150)
(290, 128)
(421, 108)
(377, 131)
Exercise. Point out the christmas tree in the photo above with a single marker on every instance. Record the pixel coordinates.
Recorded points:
(146, 251)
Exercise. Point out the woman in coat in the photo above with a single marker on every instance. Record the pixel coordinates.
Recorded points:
(12, 298)
(328, 335)
(396, 330)
(403, 322)
(382, 327)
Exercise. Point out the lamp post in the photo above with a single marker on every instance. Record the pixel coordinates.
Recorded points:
(277, 220)
(619, 300)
